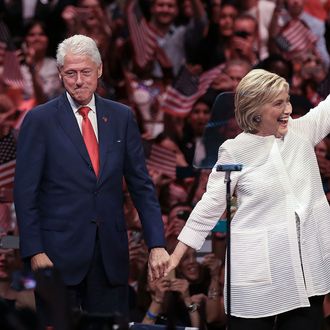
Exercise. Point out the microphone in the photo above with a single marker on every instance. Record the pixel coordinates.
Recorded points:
(229, 167)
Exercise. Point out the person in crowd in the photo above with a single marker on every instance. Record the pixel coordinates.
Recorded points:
(205, 283)
(322, 156)
(232, 73)
(177, 216)
(213, 10)
(173, 39)
(8, 135)
(283, 275)
(39, 70)
(222, 122)
(89, 17)
(277, 64)
(212, 49)
(166, 300)
(292, 11)
(244, 40)
(262, 11)
(138, 258)
(19, 13)
(183, 294)
(73, 153)
(19, 296)
(192, 144)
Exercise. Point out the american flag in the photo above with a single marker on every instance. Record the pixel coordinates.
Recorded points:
(143, 38)
(163, 160)
(11, 75)
(295, 38)
(179, 98)
(7, 161)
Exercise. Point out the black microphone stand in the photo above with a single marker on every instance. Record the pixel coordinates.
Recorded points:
(228, 169)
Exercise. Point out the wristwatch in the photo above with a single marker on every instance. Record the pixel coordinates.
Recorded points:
(192, 307)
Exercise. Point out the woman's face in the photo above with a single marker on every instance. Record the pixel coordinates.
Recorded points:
(37, 38)
(274, 116)
(189, 267)
(199, 117)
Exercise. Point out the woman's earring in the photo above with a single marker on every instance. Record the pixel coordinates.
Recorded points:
(257, 119)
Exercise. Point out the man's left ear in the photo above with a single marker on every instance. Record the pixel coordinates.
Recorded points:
(99, 71)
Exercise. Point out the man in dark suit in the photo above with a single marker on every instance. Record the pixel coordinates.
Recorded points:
(73, 153)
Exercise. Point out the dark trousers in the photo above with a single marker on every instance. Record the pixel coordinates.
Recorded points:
(94, 295)
(306, 318)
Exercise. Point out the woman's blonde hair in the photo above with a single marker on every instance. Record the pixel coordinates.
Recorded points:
(257, 88)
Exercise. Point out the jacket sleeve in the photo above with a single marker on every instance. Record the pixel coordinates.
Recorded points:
(315, 125)
(141, 187)
(209, 209)
(28, 174)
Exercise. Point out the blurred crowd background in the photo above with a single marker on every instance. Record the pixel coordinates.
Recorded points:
(168, 60)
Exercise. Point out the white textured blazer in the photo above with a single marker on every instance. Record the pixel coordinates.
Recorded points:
(280, 179)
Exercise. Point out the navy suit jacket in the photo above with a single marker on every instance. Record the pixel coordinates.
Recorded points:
(59, 200)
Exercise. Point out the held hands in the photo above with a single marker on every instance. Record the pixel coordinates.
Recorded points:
(161, 264)
(176, 256)
(172, 264)
(39, 261)
(157, 263)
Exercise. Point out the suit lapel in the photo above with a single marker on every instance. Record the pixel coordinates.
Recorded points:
(105, 130)
(70, 126)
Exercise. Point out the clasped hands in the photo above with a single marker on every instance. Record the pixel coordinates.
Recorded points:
(160, 263)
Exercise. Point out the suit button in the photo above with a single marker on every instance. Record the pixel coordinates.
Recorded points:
(95, 192)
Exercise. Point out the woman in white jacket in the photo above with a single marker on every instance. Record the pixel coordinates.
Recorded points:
(280, 234)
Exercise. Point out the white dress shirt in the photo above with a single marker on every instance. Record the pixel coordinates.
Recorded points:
(91, 114)
(278, 182)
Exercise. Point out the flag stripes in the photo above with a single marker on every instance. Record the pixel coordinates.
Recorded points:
(296, 38)
(163, 160)
(176, 101)
(7, 173)
(11, 75)
(143, 38)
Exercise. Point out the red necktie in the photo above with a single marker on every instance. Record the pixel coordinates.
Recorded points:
(90, 139)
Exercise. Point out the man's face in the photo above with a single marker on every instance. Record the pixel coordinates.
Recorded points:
(244, 36)
(79, 75)
(245, 28)
(89, 12)
(226, 20)
(295, 7)
(236, 72)
(164, 12)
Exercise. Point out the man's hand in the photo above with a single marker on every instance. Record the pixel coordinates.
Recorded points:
(39, 261)
(157, 263)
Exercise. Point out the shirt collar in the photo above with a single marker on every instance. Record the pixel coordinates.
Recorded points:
(75, 107)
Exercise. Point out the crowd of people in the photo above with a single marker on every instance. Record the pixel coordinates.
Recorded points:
(168, 61)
